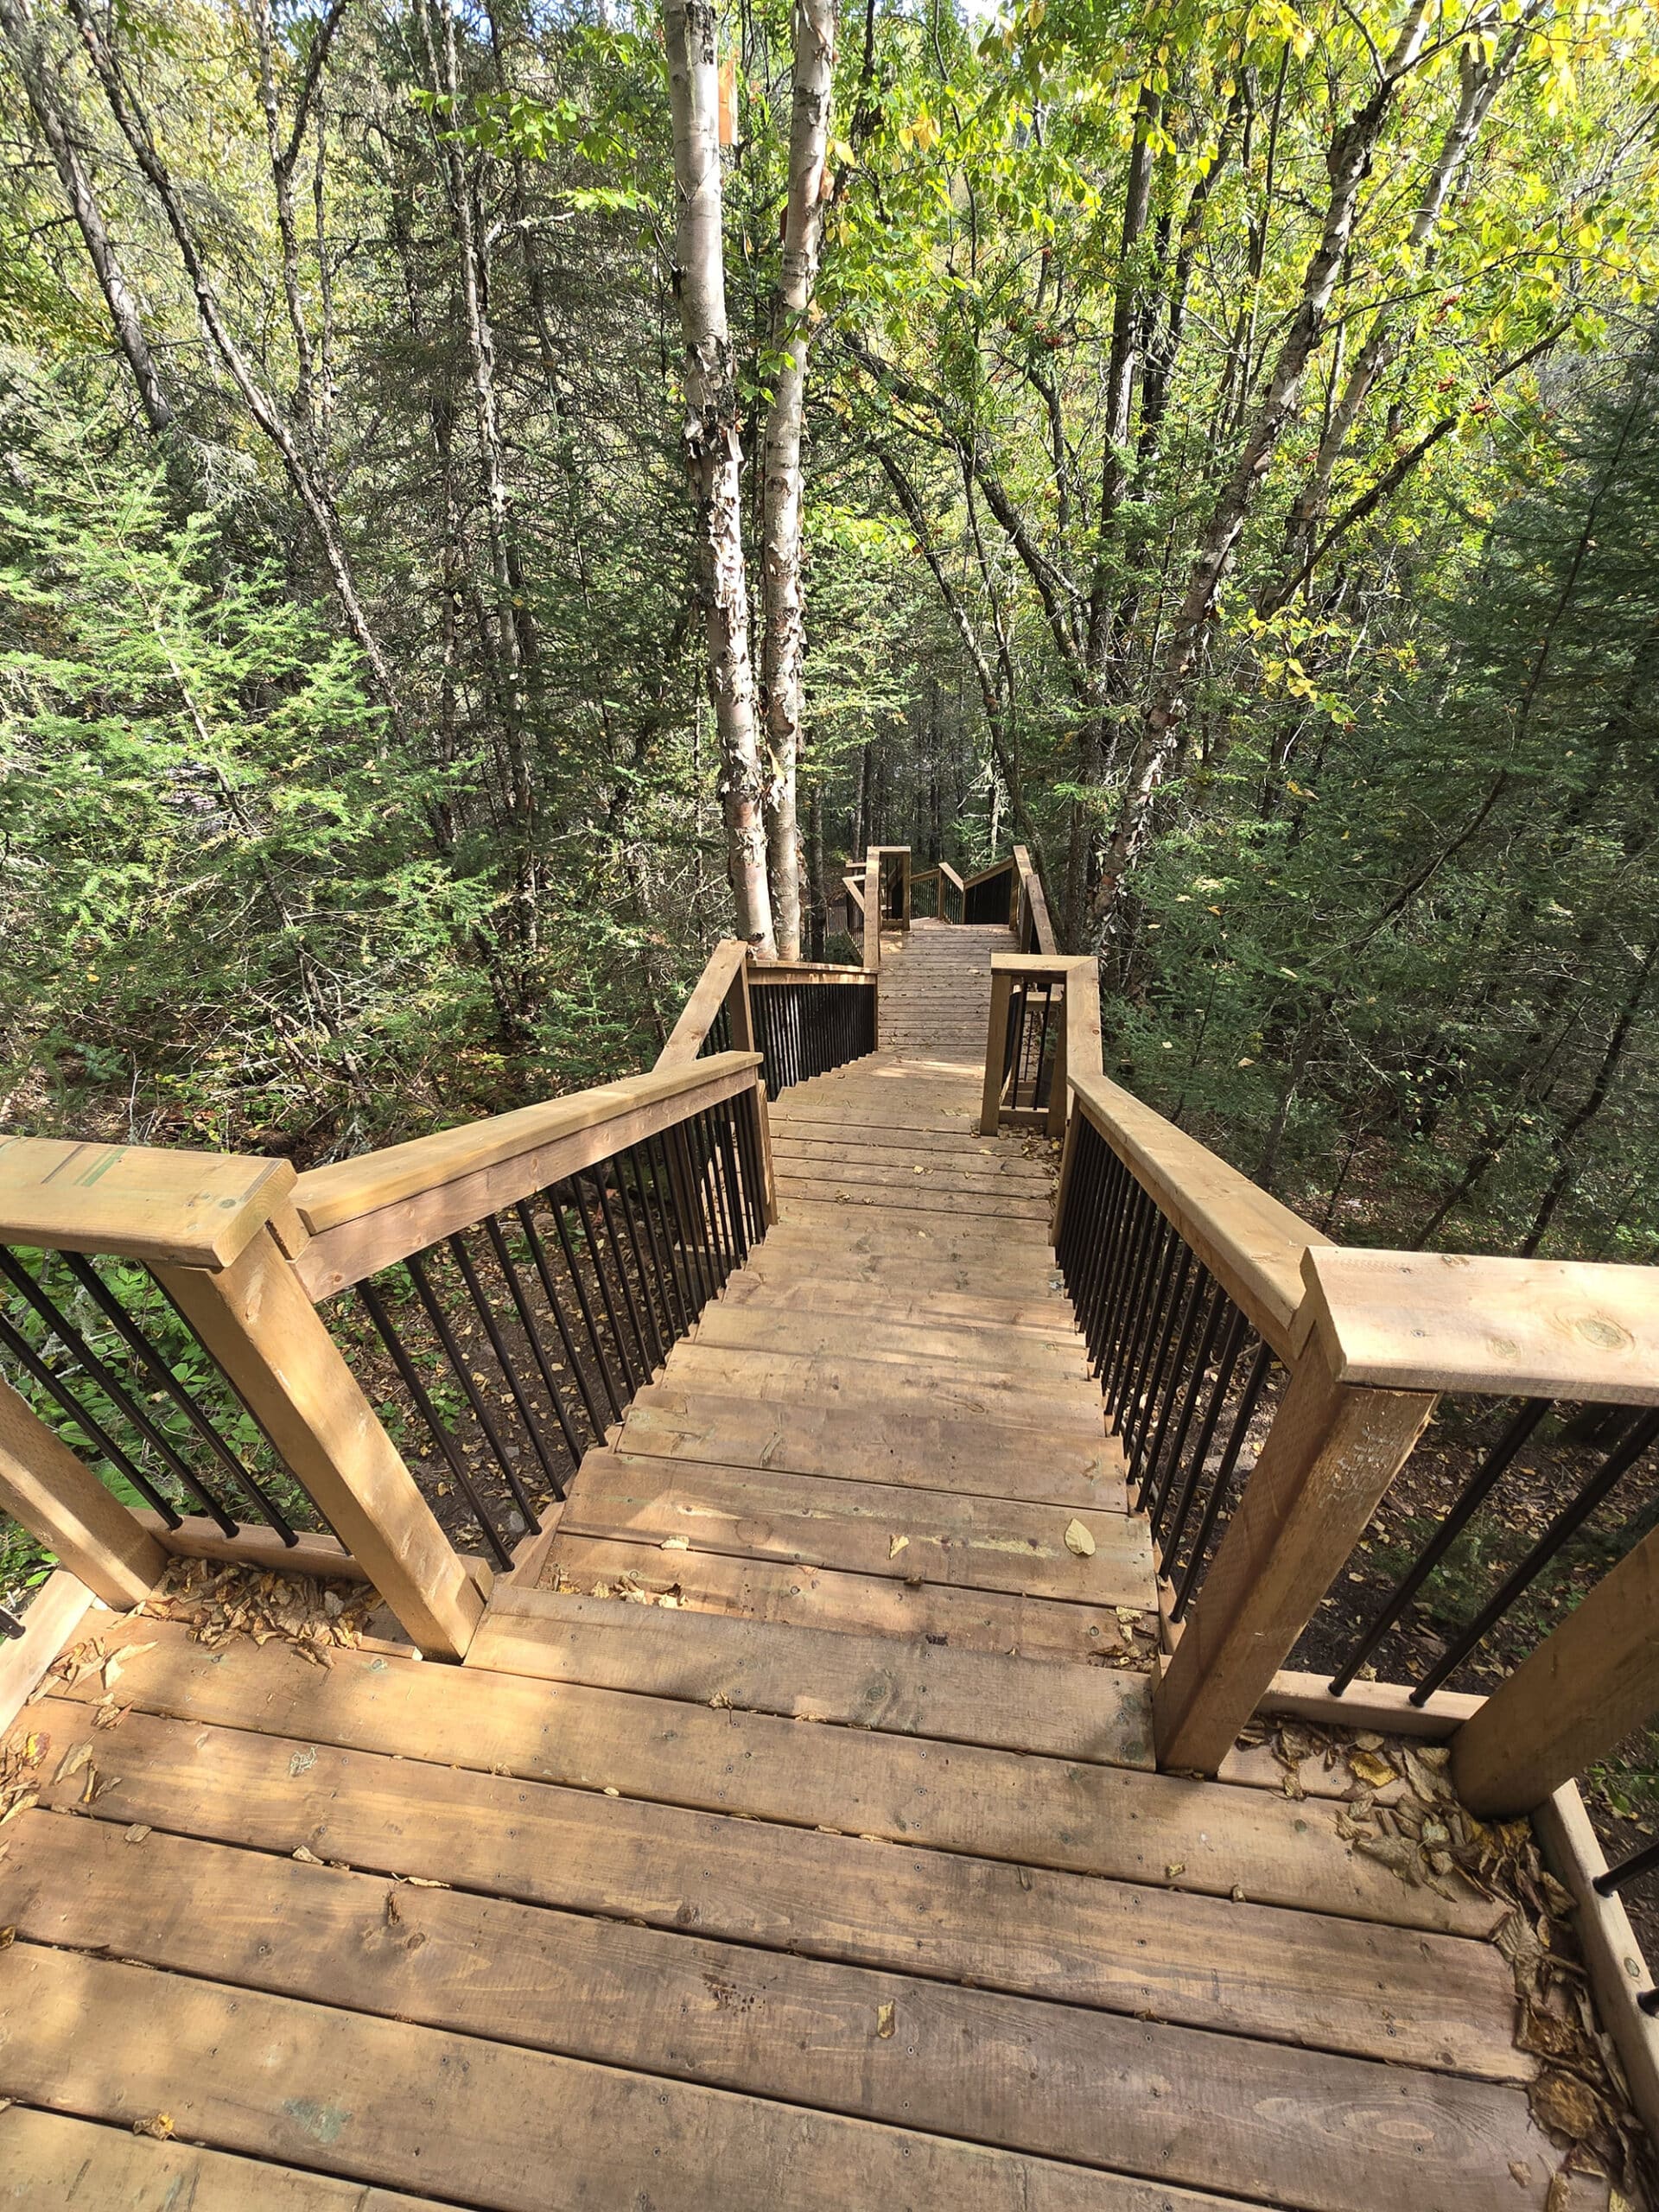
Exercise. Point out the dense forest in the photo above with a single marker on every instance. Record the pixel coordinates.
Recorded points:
(1228, 464)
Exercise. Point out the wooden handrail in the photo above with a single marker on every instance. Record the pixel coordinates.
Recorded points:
(138, 1202)
(983, 874)
(727, 962)
(365, 1213)
(1251, 1243)
(804, 971)
(1034, 902)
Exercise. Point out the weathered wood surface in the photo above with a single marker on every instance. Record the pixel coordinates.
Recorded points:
(196, 1209)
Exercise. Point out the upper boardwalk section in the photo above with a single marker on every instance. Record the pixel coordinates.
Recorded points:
(795, 1832)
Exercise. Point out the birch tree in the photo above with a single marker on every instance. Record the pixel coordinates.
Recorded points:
(785, 649)
(714, 450)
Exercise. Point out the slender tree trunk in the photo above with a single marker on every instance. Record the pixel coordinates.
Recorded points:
(312, 494)
(1161, 741)
(785, 649)
(712, 449)
(1566, 1167)
(41, 82)
(1481, 83)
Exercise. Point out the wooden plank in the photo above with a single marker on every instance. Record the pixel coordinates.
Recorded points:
(195, 1209)
(812, 1674)
(988, 1804)
(1032, 885)
(766, 1589)
(983, 1543)
(1384, 1705)
(1287, 1976)
(815, 1289)
(870, 1228)
(257, 1321)
(1618, 1972)
(53, 1618)
(1533, 1328)
(386, 1213)
(1328, 1460)
(841, 1336)
(697, 1016)
(61, 1503)
(1592, 1680)
(49, 2161)
(197, 1537)
(976, 1167)
(525, 2131)
(795, 1186)
(918, 1450)
(802, 2032)
(785, 1378)
(1249, 1242)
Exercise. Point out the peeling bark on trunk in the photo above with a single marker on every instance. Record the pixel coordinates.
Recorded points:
(712, 449)
(38, 73)
(784, 648)
(1160, 742)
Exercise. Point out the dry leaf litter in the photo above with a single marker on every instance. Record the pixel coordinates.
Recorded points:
(1399, 1809)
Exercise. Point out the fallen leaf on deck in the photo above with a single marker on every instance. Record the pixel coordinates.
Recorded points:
(1078, 1540)
(1564, 2105)
(898, 1545)
(1369, 1768)
(1175, 1867)
(8, 1937)
(137, 1832)
(72, 1761)
(884, 2021)
(677, 1543)
(306, 1857)
(160, 2126)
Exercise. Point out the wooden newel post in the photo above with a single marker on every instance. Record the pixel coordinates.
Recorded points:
(1331, 1453)
(996, 1048)
(62, 1504)
(1586, 1686)
(256, 1319)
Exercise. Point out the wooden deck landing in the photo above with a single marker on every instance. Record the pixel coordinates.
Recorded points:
(843, 1880)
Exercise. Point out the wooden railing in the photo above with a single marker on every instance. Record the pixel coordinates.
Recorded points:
(214, 1356)
(942, 889)
(1267, 1386)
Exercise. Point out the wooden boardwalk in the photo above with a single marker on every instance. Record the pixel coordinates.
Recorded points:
(840, 1879)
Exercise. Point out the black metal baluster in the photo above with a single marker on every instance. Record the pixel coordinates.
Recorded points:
(1567, 1523)
(375, 1307)
(662, 1181)
(691, 1219)
(596, 1259)
(637, 1246)
(110, 1306)
(532, 1328)
(596, 1420)
(1242, 1417)
(103, 1377)
(1516, 1431)
(1215, 1313)
(23, 1353)
(654, 1208)
(1141, 1317)
(415, 1267)
(600, 1180)
(463, 1259)
(1134, 1436)
(1229, 1359)
(1199, 1289)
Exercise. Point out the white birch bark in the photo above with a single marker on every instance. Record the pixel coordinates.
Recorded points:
(783, 651)
(712, 450)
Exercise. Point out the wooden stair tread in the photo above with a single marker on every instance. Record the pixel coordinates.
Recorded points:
(869, 1528)
(982, 1349)
(989, 1804)
(920, 1450)
(1058, 1404)
(1292, 1976)
(913, 1689)
(832, 1598)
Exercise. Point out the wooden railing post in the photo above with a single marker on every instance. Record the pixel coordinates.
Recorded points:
(1593, 1679)
(256, 1320)
(63, 1504)
(1328, 1458)
(872, 910)
(996, 1046)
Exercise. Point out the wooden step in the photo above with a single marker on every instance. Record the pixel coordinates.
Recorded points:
(1211, 1837)
(794, 1288)
(913, 1689)
(817, 1597)
(919, 1451)
(785, 1378)
(433, 2075)
(1294, 1977)
(862, 1528)
(844, 1336)
(976, 1206)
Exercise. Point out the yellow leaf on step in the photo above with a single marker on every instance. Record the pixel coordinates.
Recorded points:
(677, 1543)
(884, 2021)
(898, 1545)
(1078, 1540)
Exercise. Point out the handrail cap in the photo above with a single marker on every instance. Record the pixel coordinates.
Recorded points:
(1448, 1321)
(138, 1201)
